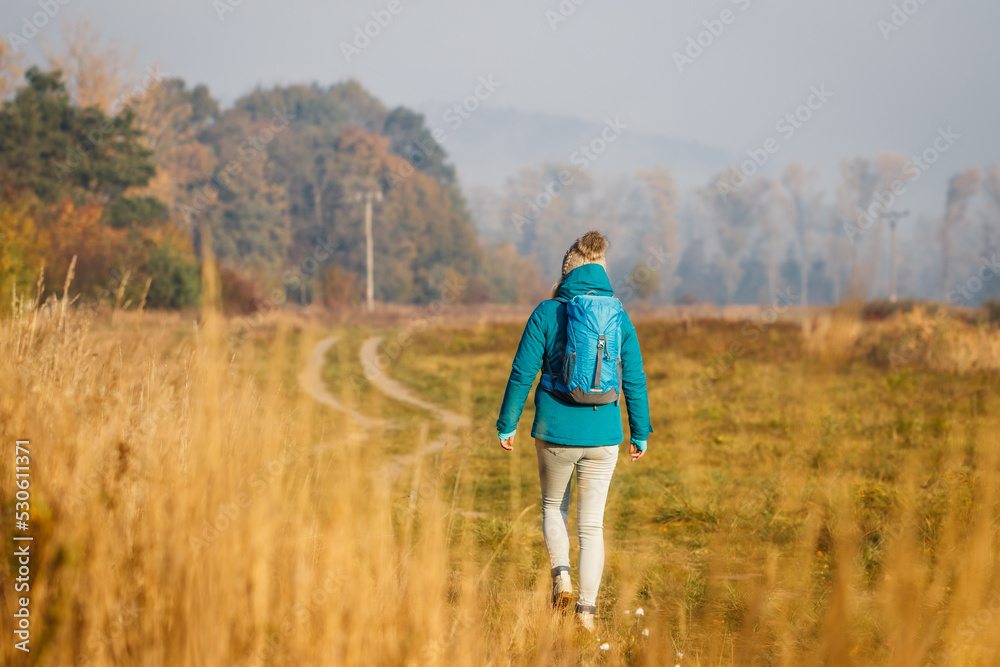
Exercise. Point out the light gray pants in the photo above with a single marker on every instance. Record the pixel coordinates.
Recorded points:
(594, 467)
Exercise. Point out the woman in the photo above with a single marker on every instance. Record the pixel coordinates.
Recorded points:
(570, 434)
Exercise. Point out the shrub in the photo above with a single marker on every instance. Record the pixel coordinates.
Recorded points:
(882, 309)
(240, 293)
(175, 277)
(992, 310)
(340, 288)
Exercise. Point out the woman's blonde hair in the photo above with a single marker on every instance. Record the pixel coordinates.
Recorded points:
(588, 249)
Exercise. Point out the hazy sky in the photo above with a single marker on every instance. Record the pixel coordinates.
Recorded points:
(609, 59)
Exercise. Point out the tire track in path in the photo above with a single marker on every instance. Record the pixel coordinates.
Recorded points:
(311, 380)
(396, 391)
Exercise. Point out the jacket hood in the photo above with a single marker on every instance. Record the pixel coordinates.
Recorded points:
(583, 279)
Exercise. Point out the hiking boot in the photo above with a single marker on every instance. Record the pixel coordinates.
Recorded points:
(585, 616)
(562, 587)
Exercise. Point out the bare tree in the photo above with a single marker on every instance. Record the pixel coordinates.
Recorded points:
(321, 173)
(11, 70)
(991, 185)
(484, 206)
(96, 74)
(170, 124)
(859, 181)
(770, 236)
(800, 205)
(894, 176)
(961, 188)
(734, 216)
(544, 209)
(663, 194)
(991, 216)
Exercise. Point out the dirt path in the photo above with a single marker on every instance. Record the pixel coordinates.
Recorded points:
(396, 391)
(311, 380)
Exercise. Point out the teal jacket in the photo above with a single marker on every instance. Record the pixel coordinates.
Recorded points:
(557, 421)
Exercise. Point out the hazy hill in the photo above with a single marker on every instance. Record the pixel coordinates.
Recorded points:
(492, 144)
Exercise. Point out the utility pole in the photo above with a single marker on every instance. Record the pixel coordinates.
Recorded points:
(368, 196)
(893, 217)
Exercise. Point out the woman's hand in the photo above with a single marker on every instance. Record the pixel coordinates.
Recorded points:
(508, 444)
(635, 453)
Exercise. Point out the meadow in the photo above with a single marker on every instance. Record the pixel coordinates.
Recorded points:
(826, 495)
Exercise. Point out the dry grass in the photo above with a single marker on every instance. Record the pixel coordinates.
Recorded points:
(930, 338)
(191, 507)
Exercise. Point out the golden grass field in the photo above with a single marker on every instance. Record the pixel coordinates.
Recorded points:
(830, 498)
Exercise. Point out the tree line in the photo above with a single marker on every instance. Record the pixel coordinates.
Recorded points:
(744, 240)
(129, 175)
(131, 172)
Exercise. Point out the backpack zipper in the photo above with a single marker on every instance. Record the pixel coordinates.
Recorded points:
(602, 351)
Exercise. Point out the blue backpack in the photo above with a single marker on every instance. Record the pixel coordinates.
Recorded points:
(592, 367)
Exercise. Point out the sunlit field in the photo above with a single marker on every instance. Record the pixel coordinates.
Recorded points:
(265, 267)
(826, 496)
